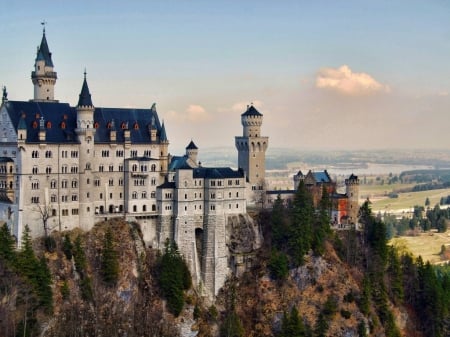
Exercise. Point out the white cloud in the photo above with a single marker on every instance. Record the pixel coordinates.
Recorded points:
(193, 113)
(241, 107)
(345, 81)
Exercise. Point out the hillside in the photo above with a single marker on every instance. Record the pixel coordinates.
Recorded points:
(327, 288)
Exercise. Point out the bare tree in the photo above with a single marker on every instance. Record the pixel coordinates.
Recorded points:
(45, 213)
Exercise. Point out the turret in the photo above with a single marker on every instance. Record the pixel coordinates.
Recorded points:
(43, 76)
(164, 148)
(85, 112)
(192, 152)
(152, 127)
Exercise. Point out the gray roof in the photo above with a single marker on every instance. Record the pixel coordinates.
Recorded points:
(179, 162)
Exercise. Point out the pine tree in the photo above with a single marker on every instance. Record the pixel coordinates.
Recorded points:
(67, 247)
(300, 234)
(7, 243)
(109, 260)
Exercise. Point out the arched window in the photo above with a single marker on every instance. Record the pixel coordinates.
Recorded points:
(136, 126)
(153, 168)
(134, 168)
(49, 125)
(96, 125)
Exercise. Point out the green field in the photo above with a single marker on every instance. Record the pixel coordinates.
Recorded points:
(427, 245)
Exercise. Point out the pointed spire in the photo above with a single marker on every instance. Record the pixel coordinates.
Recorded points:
(85, 95)
(43, 52)
(163, 136)
(191, 146)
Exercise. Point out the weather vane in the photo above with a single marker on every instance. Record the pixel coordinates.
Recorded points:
(43, 23)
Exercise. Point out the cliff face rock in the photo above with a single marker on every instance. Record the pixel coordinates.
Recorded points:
(131, 307)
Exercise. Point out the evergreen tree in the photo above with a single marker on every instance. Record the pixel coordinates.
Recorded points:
(7, 243)
(300, 235)
(278, 265)
(292, 325)
(322, 224)
(174, 277)
(109, 260)
(279, 224)
(67, 247)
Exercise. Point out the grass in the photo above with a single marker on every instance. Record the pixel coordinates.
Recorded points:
(406, 201)
(427, 245)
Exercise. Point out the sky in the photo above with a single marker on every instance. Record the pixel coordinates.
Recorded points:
(326, 75)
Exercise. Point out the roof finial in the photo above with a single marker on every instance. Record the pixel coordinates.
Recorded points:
(43, 23)
(85, 73)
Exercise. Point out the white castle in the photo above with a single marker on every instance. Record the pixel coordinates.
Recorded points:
(65, 167)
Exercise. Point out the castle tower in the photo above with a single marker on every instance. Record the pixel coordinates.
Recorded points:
(85, 131)
(352, 191)
(43, 76)
(252, 148)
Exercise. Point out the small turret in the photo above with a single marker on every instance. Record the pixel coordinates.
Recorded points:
(352, 191)
(192, 152)
(85, 110)
(22, 130)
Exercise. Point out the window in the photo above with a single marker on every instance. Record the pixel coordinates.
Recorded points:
(153, 208)
(97, 182)
(185, 196)
(212, 183)
(144, 195)
(120, 182)
(153, 181)
(134, 167)
(105, 153)
(74, 154)
(64, 154)
(147, 153)
(64, 169)
(134, 195)
(74, 169)
(53, 184)
(48, 170)
(74, 183)
(144, 208)
(64, 198)
(119, 153)
(64, 184)
(65, 212)
(48, 154)
(213, 196)
(237, 181)
(237, 194)
(74, 197)
(101, 196)
(213, 207)
(75, 211)
(53, 198)
(229, 195)
(35, 200)
(111, 182)
(230, 182)
(134, 208)
(111, 168)
(152, 195)
(133, 153)
(100, 168)
(35, 170)
(153, 168)
(35, 154)
(120, 168)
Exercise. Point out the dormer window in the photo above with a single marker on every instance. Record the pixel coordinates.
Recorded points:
(136, 126)
(35, 125)
(108, 125)
(63, 125)
(96, 125)
(38, 116)
(123, 126)
(49, 125)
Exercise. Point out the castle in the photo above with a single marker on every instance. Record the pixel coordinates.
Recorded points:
(65, 167)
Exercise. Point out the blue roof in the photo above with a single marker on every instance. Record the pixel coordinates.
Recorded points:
(179, 162)
(85, 95)
(191, 146)
(251, 111)
(44, 52)
(60, 122)
(322, 177)
(217, 173)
